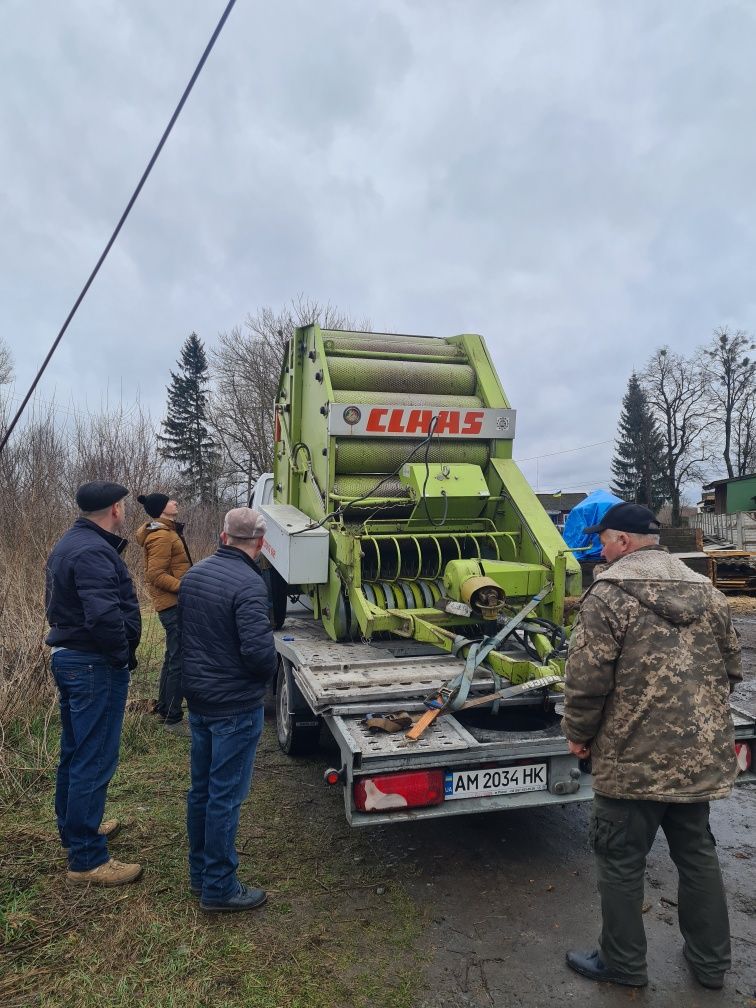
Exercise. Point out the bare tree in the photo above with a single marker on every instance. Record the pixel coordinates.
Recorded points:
(731, 382)
(246, 366)
(6, 363)
(744, 436)
(676, 390)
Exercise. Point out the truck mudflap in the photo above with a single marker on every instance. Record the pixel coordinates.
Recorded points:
(448, 771)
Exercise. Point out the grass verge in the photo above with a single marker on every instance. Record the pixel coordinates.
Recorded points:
(338, 930)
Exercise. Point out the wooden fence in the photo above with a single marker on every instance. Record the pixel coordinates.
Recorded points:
(738, 529)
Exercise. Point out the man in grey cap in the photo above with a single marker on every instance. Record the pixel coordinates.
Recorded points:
(651, 664)
(228, 661)
(95, 628)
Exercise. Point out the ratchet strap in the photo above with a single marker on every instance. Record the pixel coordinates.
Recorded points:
(454, 695)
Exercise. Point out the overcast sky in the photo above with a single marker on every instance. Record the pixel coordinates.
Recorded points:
(573, 180)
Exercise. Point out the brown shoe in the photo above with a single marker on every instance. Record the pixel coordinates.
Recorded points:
(112, 873)
(108, 828)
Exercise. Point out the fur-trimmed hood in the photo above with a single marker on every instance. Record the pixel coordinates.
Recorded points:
(662, 583)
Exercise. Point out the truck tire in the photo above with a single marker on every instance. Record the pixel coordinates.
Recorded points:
(297, 728)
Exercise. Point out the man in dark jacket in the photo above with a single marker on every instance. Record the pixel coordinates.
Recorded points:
(651, 665)
(95, 628)
(228, 661)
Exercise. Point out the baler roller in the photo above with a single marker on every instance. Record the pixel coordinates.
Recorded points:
(416, 401)
(355, 456)
(348, 487)
(391, 344)
(361, 373)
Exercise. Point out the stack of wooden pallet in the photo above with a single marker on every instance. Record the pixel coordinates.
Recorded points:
(735, 570)
(687, 545)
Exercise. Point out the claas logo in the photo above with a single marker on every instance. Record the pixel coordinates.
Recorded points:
(417, 421)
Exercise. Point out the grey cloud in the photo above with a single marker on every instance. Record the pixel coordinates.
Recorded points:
(574, 181)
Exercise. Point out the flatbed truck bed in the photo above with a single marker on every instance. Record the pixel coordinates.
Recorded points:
(480, 764)
(341, 683)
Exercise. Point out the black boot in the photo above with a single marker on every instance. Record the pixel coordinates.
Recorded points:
(590, 964)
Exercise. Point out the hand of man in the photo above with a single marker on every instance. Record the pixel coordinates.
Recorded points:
(579, 749)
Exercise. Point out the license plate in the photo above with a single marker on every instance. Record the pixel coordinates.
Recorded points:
(494, 781)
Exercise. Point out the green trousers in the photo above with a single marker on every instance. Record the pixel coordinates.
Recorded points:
(622, 832)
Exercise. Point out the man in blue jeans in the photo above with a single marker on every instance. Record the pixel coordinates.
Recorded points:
(228, 662)
(95, 628)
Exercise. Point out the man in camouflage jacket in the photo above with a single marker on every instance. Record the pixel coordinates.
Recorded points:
(652, 661)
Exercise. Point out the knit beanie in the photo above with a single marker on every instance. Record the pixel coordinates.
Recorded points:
(154, 503)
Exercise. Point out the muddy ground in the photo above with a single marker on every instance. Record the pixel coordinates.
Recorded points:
(504, 895)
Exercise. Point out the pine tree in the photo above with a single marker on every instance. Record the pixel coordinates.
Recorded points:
(638, 464)
(187, 439)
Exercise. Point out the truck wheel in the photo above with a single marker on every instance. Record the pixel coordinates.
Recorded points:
(297, 728)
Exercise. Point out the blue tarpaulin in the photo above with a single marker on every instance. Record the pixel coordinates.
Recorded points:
(588, 512)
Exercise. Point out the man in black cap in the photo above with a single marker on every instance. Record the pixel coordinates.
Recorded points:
(95, 628)
(166, 560)
(651, 664)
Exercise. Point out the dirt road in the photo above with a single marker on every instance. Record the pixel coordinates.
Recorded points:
(504, 895)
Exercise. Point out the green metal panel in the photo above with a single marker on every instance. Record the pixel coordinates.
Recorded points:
(740, 495)
(444, 491)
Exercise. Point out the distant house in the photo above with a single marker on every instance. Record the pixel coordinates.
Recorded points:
(706, 504)
(735, 494)
(559, 505)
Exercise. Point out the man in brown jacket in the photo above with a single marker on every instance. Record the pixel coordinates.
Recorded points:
(166, 560)
(651, 664)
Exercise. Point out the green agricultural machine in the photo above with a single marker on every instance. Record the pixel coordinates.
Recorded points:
(398, 508)
(429, 637)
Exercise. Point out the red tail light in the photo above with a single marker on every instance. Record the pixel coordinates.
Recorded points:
(743, 756)
(387, 792)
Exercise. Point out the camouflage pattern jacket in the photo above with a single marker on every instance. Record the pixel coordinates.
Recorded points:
(651, 665)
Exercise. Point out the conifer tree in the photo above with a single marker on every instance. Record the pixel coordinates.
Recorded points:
(186, 438)
(638, 464)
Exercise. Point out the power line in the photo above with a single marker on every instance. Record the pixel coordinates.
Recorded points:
(122, 221)
(81, 414)
(565, 451)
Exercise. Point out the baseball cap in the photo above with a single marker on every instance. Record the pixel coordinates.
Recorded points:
(625, 517)
(244, 523)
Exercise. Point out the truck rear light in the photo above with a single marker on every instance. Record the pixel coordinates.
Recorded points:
(385, 792)
(744, 756)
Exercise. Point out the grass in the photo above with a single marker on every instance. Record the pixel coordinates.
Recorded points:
(338, 930)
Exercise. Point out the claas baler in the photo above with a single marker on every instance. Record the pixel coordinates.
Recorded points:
(398, 507)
